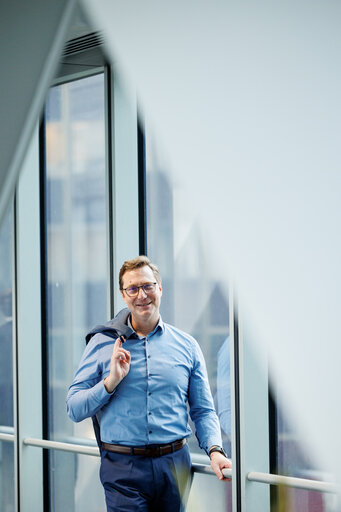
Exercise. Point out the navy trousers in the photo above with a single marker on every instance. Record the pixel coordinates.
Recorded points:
(146, 484)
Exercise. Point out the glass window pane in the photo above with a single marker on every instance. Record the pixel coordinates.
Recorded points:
(300, 500)
(6, 363)
(76, 263)
(293, 460)
(81, 490)
(194, 299)
(6, 477)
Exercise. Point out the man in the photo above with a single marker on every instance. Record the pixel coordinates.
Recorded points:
(137, 390)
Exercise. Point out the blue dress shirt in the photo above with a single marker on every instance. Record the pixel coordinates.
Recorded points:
(149, 406)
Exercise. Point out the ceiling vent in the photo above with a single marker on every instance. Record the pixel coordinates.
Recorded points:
(81, 44)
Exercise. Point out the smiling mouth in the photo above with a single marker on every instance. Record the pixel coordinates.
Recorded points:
(143, 305)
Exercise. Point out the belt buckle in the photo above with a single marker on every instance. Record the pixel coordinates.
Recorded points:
(153, 451)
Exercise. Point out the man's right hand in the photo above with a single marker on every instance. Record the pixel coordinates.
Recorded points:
(119, 366)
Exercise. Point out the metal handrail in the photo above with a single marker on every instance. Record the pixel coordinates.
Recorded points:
(94, 451)
(5, 429)
(66, 447)
(8, 438)
(289, 481)
(253, 476)
(207, 470)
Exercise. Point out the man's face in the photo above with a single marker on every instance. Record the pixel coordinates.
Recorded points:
(145, 306)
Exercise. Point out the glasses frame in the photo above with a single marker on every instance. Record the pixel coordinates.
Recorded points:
(138, 289)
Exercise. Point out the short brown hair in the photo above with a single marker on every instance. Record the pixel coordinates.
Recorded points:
(140, 261)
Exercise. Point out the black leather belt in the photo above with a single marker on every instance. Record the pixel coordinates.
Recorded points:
(146, 451)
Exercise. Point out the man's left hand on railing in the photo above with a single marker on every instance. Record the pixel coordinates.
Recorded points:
(219, 462)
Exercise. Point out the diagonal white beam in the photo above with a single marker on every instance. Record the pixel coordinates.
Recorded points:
(32, 35)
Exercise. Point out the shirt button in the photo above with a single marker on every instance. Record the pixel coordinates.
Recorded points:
(149, 413)
(148, 357)
(149, 393)
(150, 432)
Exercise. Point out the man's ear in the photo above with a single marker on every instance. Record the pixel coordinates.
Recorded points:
(123, 296)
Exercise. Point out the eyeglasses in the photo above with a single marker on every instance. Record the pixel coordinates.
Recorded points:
(133, 291)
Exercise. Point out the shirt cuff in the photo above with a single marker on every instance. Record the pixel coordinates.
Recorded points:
(100, 394)
(212, 441)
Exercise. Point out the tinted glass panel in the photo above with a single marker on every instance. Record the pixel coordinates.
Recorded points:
(293, 460)
(6, 477)
(6, 364)
(76, 269)
(193, 297)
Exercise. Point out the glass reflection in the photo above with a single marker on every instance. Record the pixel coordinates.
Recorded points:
(76, 258)
(6, 477)
(6, 364)
(292, 460)
(87, 495)
(193, 297)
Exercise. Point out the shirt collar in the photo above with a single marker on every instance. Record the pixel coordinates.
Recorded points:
(159, 325)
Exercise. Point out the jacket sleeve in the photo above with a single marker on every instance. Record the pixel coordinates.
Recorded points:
(87, 394)
(201, 405)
